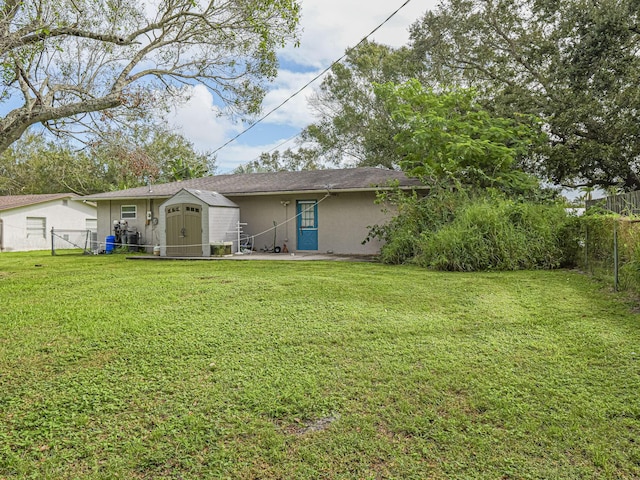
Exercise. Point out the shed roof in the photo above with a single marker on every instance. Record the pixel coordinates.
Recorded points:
(350, 179)
(213, 199)
(9, 202)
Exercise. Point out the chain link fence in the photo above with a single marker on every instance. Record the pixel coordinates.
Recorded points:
(611, 241)
(74, 241)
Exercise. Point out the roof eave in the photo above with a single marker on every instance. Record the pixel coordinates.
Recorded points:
(255, 194)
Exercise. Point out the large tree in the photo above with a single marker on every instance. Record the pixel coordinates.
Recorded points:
(573, 63)
(62, 61)
(34, 165)
(353, 127)
(145, 154)
(447, 138)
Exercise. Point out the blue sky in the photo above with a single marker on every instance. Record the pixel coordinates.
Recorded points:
(328, 28)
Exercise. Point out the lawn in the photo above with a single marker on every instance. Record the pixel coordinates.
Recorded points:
(112, 368)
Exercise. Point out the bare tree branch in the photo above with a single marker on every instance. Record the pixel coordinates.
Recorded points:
(71, 57)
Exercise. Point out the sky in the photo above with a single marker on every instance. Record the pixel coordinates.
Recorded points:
(328, 28)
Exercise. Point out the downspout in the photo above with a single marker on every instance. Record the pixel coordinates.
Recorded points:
(1, 236)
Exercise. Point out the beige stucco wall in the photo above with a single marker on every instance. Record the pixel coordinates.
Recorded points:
(342, 220)
(72, 216)
(109, 211)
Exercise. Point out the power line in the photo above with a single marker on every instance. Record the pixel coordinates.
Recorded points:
(310, 81)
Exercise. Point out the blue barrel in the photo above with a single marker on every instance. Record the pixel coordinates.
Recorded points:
(111, 243)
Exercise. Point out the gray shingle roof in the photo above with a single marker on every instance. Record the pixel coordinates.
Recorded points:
(15, 201)
(213, 199)
(350, 179)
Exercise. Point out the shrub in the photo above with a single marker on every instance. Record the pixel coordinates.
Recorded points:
(463, 232)
(496, 234)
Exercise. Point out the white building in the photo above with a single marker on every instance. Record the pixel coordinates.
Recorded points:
(26, 221)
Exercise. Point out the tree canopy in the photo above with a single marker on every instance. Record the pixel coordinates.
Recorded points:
(353, 127)
(73, 62)
(289, 161)
(573, 63)
(147, 154)
(447, 136)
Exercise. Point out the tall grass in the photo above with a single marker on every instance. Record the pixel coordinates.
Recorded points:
(459, 231)
(496, 234)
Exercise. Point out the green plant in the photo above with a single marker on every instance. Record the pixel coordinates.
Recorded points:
(496, 234)
(452, 229)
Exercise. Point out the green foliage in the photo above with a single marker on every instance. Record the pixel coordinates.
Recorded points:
(288, 161)
(353, 127)
(597, 255)
(148, 153)
(116, 160)
(414, 214)
(573, 63)
(33, 165)
(497, 234)
(447, 136)
(481, 211)
(465, 231)
(122, 58)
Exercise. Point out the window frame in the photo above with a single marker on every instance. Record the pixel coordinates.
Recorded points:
(39, 231)
(128, 215)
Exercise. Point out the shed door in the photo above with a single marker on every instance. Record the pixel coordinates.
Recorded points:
(184, 230)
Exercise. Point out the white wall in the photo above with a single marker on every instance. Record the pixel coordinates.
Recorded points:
(223, 222)
(72, 216)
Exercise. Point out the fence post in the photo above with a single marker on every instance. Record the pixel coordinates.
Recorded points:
(53, 247)
(615, 255)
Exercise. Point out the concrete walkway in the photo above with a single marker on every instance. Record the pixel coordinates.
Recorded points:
(269, 257)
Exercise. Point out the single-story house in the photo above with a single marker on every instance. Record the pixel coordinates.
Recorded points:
(305, 211)
(26, 220)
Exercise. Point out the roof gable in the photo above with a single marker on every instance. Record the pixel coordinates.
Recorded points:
(16, 201)
(213, 199)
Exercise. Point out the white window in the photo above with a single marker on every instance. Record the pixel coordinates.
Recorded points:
(127, 211)
(36, 227)
(91, 224)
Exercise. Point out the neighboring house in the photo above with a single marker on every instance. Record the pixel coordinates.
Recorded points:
(26, 220)
(313, 210)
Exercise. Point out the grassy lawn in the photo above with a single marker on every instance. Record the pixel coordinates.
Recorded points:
(128, 369)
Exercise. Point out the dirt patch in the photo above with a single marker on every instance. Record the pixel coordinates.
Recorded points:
(303, 427)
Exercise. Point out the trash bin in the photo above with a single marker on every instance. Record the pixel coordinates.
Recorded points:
(110, 243)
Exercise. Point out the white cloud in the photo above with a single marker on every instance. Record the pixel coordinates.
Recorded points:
(296, 111)
(331, 26)
(200, 121)
(239, 154)
(328, 28)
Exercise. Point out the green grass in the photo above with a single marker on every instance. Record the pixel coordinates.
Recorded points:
(129, 369)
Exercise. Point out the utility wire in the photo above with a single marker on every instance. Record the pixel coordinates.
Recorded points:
(310, 81)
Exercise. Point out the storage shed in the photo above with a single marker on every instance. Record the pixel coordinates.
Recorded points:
(192, 221)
